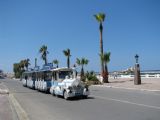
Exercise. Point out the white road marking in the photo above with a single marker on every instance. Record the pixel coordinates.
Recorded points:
(152, 93)
(128, 102)
(22, 115)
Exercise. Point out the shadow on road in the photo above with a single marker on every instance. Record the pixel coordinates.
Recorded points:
(80, 98)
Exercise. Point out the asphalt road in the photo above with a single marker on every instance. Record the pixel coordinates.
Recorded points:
(103, 104)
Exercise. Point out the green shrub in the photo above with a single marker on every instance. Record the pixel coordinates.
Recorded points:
(91, 78)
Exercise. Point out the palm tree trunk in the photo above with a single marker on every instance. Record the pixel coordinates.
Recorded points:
(101, 49)
(82, 74)
(46, 61)
(68, 62)
(35, 62)
(106, 74)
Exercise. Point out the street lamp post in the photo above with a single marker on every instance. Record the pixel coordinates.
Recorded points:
(137, 76)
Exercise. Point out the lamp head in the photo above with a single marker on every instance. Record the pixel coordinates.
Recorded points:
(136, 57)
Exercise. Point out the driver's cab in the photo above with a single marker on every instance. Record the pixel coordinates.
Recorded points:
(60, 75)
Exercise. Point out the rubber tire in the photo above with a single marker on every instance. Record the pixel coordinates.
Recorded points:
(53, 93)
(85, 96)
(65, 95)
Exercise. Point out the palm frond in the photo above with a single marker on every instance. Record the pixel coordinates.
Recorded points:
(67, 52)
(100, 17)
(55, 61)
(106, 57)
(84, 61)
(78, 61)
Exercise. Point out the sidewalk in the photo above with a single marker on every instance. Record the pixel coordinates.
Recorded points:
(148, 84)
(10, 109)
(6, 112)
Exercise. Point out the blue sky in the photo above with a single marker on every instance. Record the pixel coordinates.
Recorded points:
(130, 27)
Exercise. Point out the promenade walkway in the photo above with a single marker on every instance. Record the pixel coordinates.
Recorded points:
(150, 84)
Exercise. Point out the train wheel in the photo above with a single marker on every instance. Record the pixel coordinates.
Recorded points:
(53, 93)
(65, 95)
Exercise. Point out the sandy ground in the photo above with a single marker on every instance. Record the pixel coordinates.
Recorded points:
(146, 83)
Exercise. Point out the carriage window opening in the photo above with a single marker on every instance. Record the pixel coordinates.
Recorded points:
(33, 76)
(47, 75)
(40, 77)
(30, 76)
(26, 77)
(54, 76)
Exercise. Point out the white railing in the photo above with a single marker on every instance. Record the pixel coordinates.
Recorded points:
(132, 76)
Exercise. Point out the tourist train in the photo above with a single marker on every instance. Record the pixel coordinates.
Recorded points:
(57, 81)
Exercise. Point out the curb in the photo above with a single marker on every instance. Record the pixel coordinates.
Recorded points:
(4, 91)
(126, 88)
(15, 79)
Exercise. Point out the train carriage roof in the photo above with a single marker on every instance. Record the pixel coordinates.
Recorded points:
(49, 69)
(63, 69)
(41, 70)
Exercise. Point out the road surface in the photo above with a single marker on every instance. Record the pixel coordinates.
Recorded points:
(103, 104)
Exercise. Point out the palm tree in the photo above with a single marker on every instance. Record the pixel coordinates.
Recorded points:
(106, 58)
(68, 55)
(81, 62)
(17, 70)
(56, 62)
(44, 52)
(22, 64)
(26, 63)
(100, 17)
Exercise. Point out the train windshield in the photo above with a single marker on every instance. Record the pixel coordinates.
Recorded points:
(63, 74)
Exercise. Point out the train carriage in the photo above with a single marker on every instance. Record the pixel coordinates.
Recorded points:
(43, 81)
(28, 79)
(39, 79)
